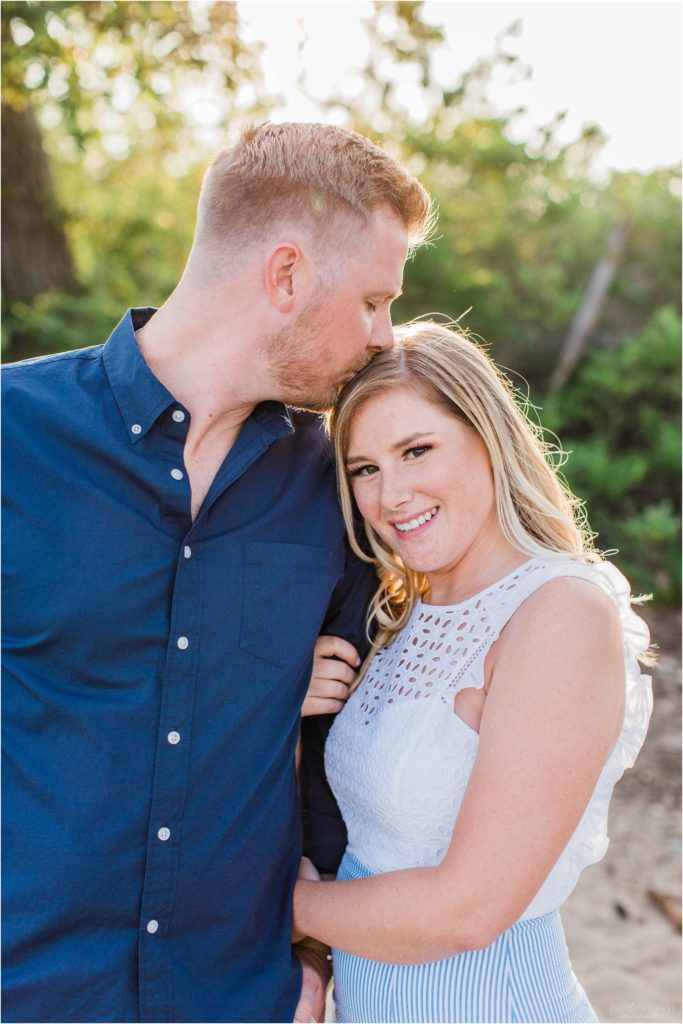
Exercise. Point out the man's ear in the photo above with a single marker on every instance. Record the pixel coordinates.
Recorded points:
(285, 276)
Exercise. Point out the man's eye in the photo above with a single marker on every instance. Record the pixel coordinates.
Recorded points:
(371, 306)
(366, 470)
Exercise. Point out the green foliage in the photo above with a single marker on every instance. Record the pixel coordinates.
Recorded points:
(111, 76)
(56, 322)
(118, 85)
(125, 92)
(620, 419)
(132, 237)
(519, 235)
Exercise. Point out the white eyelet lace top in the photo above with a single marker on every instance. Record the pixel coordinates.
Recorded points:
(399, 758)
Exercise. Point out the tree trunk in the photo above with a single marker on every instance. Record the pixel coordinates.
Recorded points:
(589, 312)
(35, 253)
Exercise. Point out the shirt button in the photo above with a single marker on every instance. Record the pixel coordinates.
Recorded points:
(177, 474)
(183, 643)
(152, 927)
(136, 429)
(187, 551)
(178, 415)
(164, 834)
(173, 738)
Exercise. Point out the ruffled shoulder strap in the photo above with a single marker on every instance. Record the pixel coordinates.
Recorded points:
(500, 602)
(636, 640)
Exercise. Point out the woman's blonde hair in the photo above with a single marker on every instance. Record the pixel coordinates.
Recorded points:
(537, 512)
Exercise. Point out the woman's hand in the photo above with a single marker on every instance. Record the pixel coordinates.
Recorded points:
(334, 662)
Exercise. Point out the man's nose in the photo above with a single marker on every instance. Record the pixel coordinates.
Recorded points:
(382, 332)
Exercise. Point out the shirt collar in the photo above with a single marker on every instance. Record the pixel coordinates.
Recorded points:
(275, 418)
(141, 397)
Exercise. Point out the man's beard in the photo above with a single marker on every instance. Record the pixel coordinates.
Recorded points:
(298, 359)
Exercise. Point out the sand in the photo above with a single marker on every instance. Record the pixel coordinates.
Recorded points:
(626, 952)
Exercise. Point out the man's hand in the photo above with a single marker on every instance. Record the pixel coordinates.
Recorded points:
(307, 869)
(334, 661)
(316, 970)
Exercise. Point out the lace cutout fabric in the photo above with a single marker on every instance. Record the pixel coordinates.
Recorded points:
(441, 649)
(399, 758)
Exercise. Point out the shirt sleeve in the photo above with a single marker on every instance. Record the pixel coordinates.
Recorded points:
(324, 829)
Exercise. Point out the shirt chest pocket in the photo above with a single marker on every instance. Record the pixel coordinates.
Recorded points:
(286, 591)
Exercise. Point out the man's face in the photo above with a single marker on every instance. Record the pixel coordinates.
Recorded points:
(345, 324)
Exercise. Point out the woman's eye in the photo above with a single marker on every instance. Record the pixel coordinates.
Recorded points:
(415, 453)
(371, 306)
(366, 470)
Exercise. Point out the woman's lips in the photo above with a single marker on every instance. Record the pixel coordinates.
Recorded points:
(417, 525)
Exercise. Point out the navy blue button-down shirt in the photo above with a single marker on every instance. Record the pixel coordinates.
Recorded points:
(154, 669)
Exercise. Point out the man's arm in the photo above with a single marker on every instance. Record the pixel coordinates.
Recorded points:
(324, 829)
(316, 967)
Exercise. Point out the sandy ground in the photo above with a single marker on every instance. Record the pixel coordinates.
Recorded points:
(625, 950)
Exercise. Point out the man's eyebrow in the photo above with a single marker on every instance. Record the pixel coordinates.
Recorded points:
(403, 443)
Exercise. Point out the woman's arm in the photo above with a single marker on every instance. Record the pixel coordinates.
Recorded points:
(551, 718)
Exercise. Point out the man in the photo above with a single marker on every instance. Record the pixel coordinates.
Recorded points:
(173, 547)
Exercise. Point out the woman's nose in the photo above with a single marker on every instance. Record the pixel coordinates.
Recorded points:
(395, 492)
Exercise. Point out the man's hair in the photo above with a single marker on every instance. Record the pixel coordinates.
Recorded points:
(320, 177)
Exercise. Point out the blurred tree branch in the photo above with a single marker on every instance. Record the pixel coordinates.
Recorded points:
(588, 314)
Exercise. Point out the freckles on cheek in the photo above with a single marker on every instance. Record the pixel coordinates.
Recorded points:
(364, 501)
(353, 486)
(358, 496)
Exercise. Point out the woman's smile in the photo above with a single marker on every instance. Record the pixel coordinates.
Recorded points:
(417, 524)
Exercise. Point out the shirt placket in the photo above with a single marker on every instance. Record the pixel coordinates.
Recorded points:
(172, 762)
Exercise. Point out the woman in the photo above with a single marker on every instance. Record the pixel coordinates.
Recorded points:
(475, 759)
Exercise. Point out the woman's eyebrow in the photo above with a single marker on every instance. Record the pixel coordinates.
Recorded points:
(405, 441)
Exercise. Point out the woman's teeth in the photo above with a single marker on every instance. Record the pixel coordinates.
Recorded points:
(414, 523)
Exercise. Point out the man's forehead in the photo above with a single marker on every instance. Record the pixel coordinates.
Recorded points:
(381, 259)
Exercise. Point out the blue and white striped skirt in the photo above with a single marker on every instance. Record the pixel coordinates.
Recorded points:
(524, 976)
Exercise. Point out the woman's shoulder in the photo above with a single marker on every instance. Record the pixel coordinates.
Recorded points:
(566, 617)
(580, 608)
(568, 591)
(569, 596)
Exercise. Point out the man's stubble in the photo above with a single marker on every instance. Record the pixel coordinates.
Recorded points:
(300, 357)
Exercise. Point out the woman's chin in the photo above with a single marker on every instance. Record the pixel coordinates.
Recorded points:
(419, 564)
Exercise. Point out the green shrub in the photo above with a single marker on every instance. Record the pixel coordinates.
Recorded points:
(620, 419)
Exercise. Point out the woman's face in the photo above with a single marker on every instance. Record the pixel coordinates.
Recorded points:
(422, 478)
